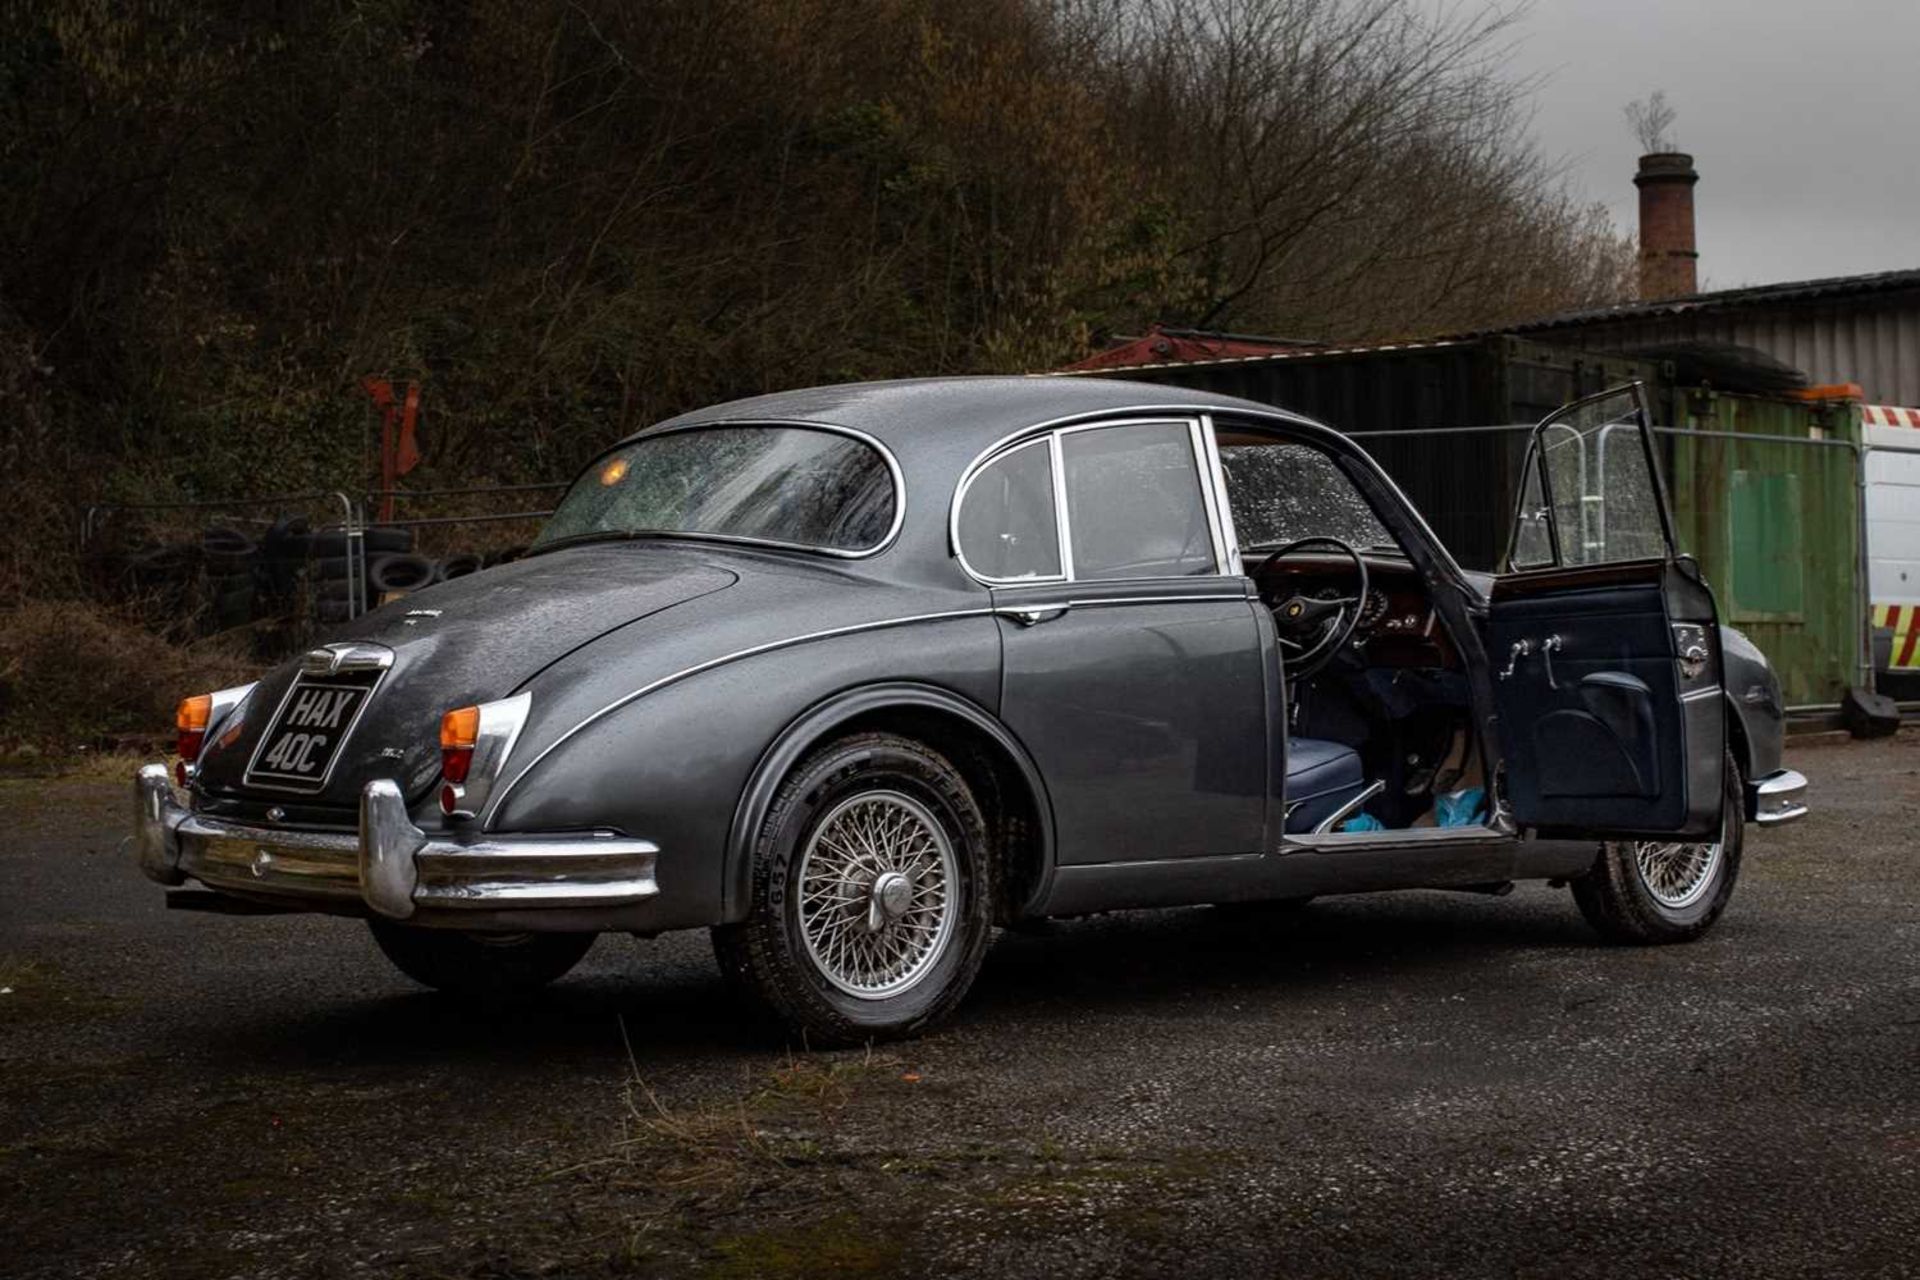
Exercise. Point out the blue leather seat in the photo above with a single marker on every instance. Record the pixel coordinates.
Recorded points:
(1321, 776)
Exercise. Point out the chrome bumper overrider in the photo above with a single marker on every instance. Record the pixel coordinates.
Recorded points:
(1779, 797)
(391, 865)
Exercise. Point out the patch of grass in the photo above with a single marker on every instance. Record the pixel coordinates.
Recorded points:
(35, 989)
(714, 1156)
(77, 677)
(837, 1245)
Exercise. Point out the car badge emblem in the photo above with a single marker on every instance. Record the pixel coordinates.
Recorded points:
(338, 658)
(276, 814)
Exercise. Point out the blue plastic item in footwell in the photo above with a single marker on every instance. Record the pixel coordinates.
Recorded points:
(1459, 809)
(1363, 822)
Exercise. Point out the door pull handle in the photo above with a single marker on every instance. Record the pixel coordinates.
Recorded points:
(1521, 648)
(1548, 647)
(1035, 615)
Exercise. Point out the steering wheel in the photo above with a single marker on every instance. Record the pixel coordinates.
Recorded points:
(1310, 630)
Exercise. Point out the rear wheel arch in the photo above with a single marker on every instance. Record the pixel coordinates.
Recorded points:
(997, 768)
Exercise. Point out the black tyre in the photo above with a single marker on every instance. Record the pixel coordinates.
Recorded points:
(225, 550)
(376, 540)
(1648, 892)
(872, 896)
(480, 967)
(400, 571)
(457, 565)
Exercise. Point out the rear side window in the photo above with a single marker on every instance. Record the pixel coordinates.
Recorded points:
(1134, 505)
(1007, 528)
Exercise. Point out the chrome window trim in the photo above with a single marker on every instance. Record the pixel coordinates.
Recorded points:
(1197, 426)
(1064, 519)
(960, 501)
(838, 553)
(1197, 431)
(1216, 475)
(697, 668)
(1278, 421)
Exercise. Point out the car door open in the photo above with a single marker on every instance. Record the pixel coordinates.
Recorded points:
(1604, 641)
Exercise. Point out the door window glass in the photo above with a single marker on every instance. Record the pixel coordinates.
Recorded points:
(1134, 505)
(1007, 529)
(1606, 501)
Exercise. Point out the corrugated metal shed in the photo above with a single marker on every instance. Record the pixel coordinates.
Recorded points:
(1859, 329)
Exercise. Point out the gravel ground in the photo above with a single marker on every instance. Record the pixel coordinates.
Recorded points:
(1418, 1083)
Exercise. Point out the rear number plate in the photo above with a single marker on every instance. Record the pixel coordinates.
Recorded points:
(301, 745)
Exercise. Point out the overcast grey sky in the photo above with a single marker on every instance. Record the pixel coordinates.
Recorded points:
(1804, 116)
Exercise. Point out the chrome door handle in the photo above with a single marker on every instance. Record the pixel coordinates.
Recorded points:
(1033, 615)
(1520, 649)
(1548, 647)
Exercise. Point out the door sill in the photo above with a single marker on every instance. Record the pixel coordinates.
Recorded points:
(1409, 838)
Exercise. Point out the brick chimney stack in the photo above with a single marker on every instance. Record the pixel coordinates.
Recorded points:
(1668, 259)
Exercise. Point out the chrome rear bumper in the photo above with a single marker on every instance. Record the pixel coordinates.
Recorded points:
(1778, 798)
(390, 865)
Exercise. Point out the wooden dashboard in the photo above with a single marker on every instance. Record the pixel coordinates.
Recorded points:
(1398, 627)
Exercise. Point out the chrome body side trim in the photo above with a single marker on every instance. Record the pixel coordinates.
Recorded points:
(1777, 799)
(389, 866)
(697, 668)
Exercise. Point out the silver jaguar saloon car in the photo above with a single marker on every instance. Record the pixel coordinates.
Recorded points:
(852, 676)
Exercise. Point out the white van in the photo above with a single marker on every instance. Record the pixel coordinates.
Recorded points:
(1893, 545)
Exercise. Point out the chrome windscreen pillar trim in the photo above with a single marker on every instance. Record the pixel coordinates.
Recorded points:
(388, 843)
(156, 817)
(1347, 810)
(1777, 799)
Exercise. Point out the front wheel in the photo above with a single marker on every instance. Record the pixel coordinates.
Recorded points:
(1650, 891)
(872, 899)
(480, 967)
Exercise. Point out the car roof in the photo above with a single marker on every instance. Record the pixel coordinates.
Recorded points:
(934, 428)
(939, 419)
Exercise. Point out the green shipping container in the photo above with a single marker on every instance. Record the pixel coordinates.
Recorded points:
(1776, 528)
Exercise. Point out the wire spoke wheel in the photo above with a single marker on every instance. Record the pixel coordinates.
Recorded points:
(877, 886)
(1676, 874)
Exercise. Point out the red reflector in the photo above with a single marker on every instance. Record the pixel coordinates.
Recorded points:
(454, 763)
(449, 798)
(180, 773)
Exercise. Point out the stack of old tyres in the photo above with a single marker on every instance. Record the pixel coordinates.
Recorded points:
(160, 576)
(278, 571)
(330, 575)
(227, 555)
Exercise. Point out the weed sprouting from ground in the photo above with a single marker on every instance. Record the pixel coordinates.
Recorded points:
(715, 1154)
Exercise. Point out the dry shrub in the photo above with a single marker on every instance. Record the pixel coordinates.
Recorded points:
(76, 675)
